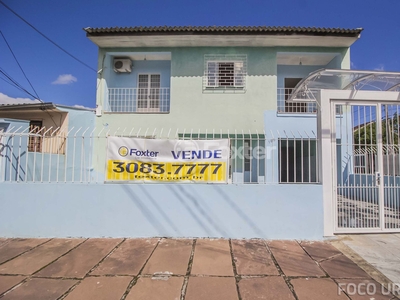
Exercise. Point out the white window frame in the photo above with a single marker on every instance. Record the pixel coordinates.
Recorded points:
(240, 71)
(147, 108)
(35, 143)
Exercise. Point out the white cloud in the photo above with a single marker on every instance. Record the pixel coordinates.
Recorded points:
(65, 79)
(380, 67)
(4, 99)
(353, 66)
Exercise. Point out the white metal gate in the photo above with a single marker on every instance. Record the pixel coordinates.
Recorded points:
(366, 166)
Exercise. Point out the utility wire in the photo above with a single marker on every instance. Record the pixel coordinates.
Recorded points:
(12, 80)
(18, 86)
(58, 46)
(11, 84)
(15, 83)
(37, 96)
(55, 44)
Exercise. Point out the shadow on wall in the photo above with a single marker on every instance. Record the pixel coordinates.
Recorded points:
(13, 171)
(188, 208)
(159, 209)
(239, 211)
(148, 214)
(206, 212)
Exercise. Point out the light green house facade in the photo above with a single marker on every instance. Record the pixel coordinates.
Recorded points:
(269, 56)
(175, 81)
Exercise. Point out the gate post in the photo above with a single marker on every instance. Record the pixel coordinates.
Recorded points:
(325, 138)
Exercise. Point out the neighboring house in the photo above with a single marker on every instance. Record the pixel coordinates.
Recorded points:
(219, 79)
(35, 140)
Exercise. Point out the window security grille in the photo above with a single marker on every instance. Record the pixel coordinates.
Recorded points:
(35, 141)
(225, 72)
(298, 160)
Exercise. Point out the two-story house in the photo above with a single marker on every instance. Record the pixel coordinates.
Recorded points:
(231, 81)
(319, 142)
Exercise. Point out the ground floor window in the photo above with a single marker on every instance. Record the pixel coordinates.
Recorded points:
(247, 163)
(35, 139)
(298, 160)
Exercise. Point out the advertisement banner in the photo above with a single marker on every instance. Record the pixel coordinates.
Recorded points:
(153, 160)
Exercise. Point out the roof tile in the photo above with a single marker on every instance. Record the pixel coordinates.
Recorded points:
(268, 30)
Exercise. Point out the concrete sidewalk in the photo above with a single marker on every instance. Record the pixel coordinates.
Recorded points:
(186, 269)
(382, 251)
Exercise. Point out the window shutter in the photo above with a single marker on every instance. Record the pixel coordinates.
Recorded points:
(239, 74)
(212, 73)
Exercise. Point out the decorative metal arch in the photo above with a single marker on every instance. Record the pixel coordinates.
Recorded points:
(356, 80)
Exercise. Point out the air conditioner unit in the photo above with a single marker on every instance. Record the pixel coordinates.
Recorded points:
(122, 65)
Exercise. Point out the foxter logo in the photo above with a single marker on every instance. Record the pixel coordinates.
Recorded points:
(123, 151)
(143, 153)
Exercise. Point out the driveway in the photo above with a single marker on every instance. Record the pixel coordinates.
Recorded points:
(382, 251)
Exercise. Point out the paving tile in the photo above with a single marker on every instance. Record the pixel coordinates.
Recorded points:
(40, 289)
(253, 258)
(78, 262)
(34, 260)
(360, 289)
(343, 267)
(212, 257)
(211, 288)
(272, 287)
(320, 250)
(13, 247)
(128, 259)
(317, 289)
(293, 260)
(156, 288)
(7, 282)
(100, 288)
(171, 256)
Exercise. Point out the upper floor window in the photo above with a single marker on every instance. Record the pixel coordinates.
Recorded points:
(226, 72)
(148, 98)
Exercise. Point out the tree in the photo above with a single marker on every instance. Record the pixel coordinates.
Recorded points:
(365, 135)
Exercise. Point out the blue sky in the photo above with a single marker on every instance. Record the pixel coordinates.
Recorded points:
(58, 78)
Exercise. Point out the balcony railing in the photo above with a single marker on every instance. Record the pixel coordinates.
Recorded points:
(309, 106)
(138, 100)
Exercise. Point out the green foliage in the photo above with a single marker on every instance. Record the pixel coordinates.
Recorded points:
(365, 135)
